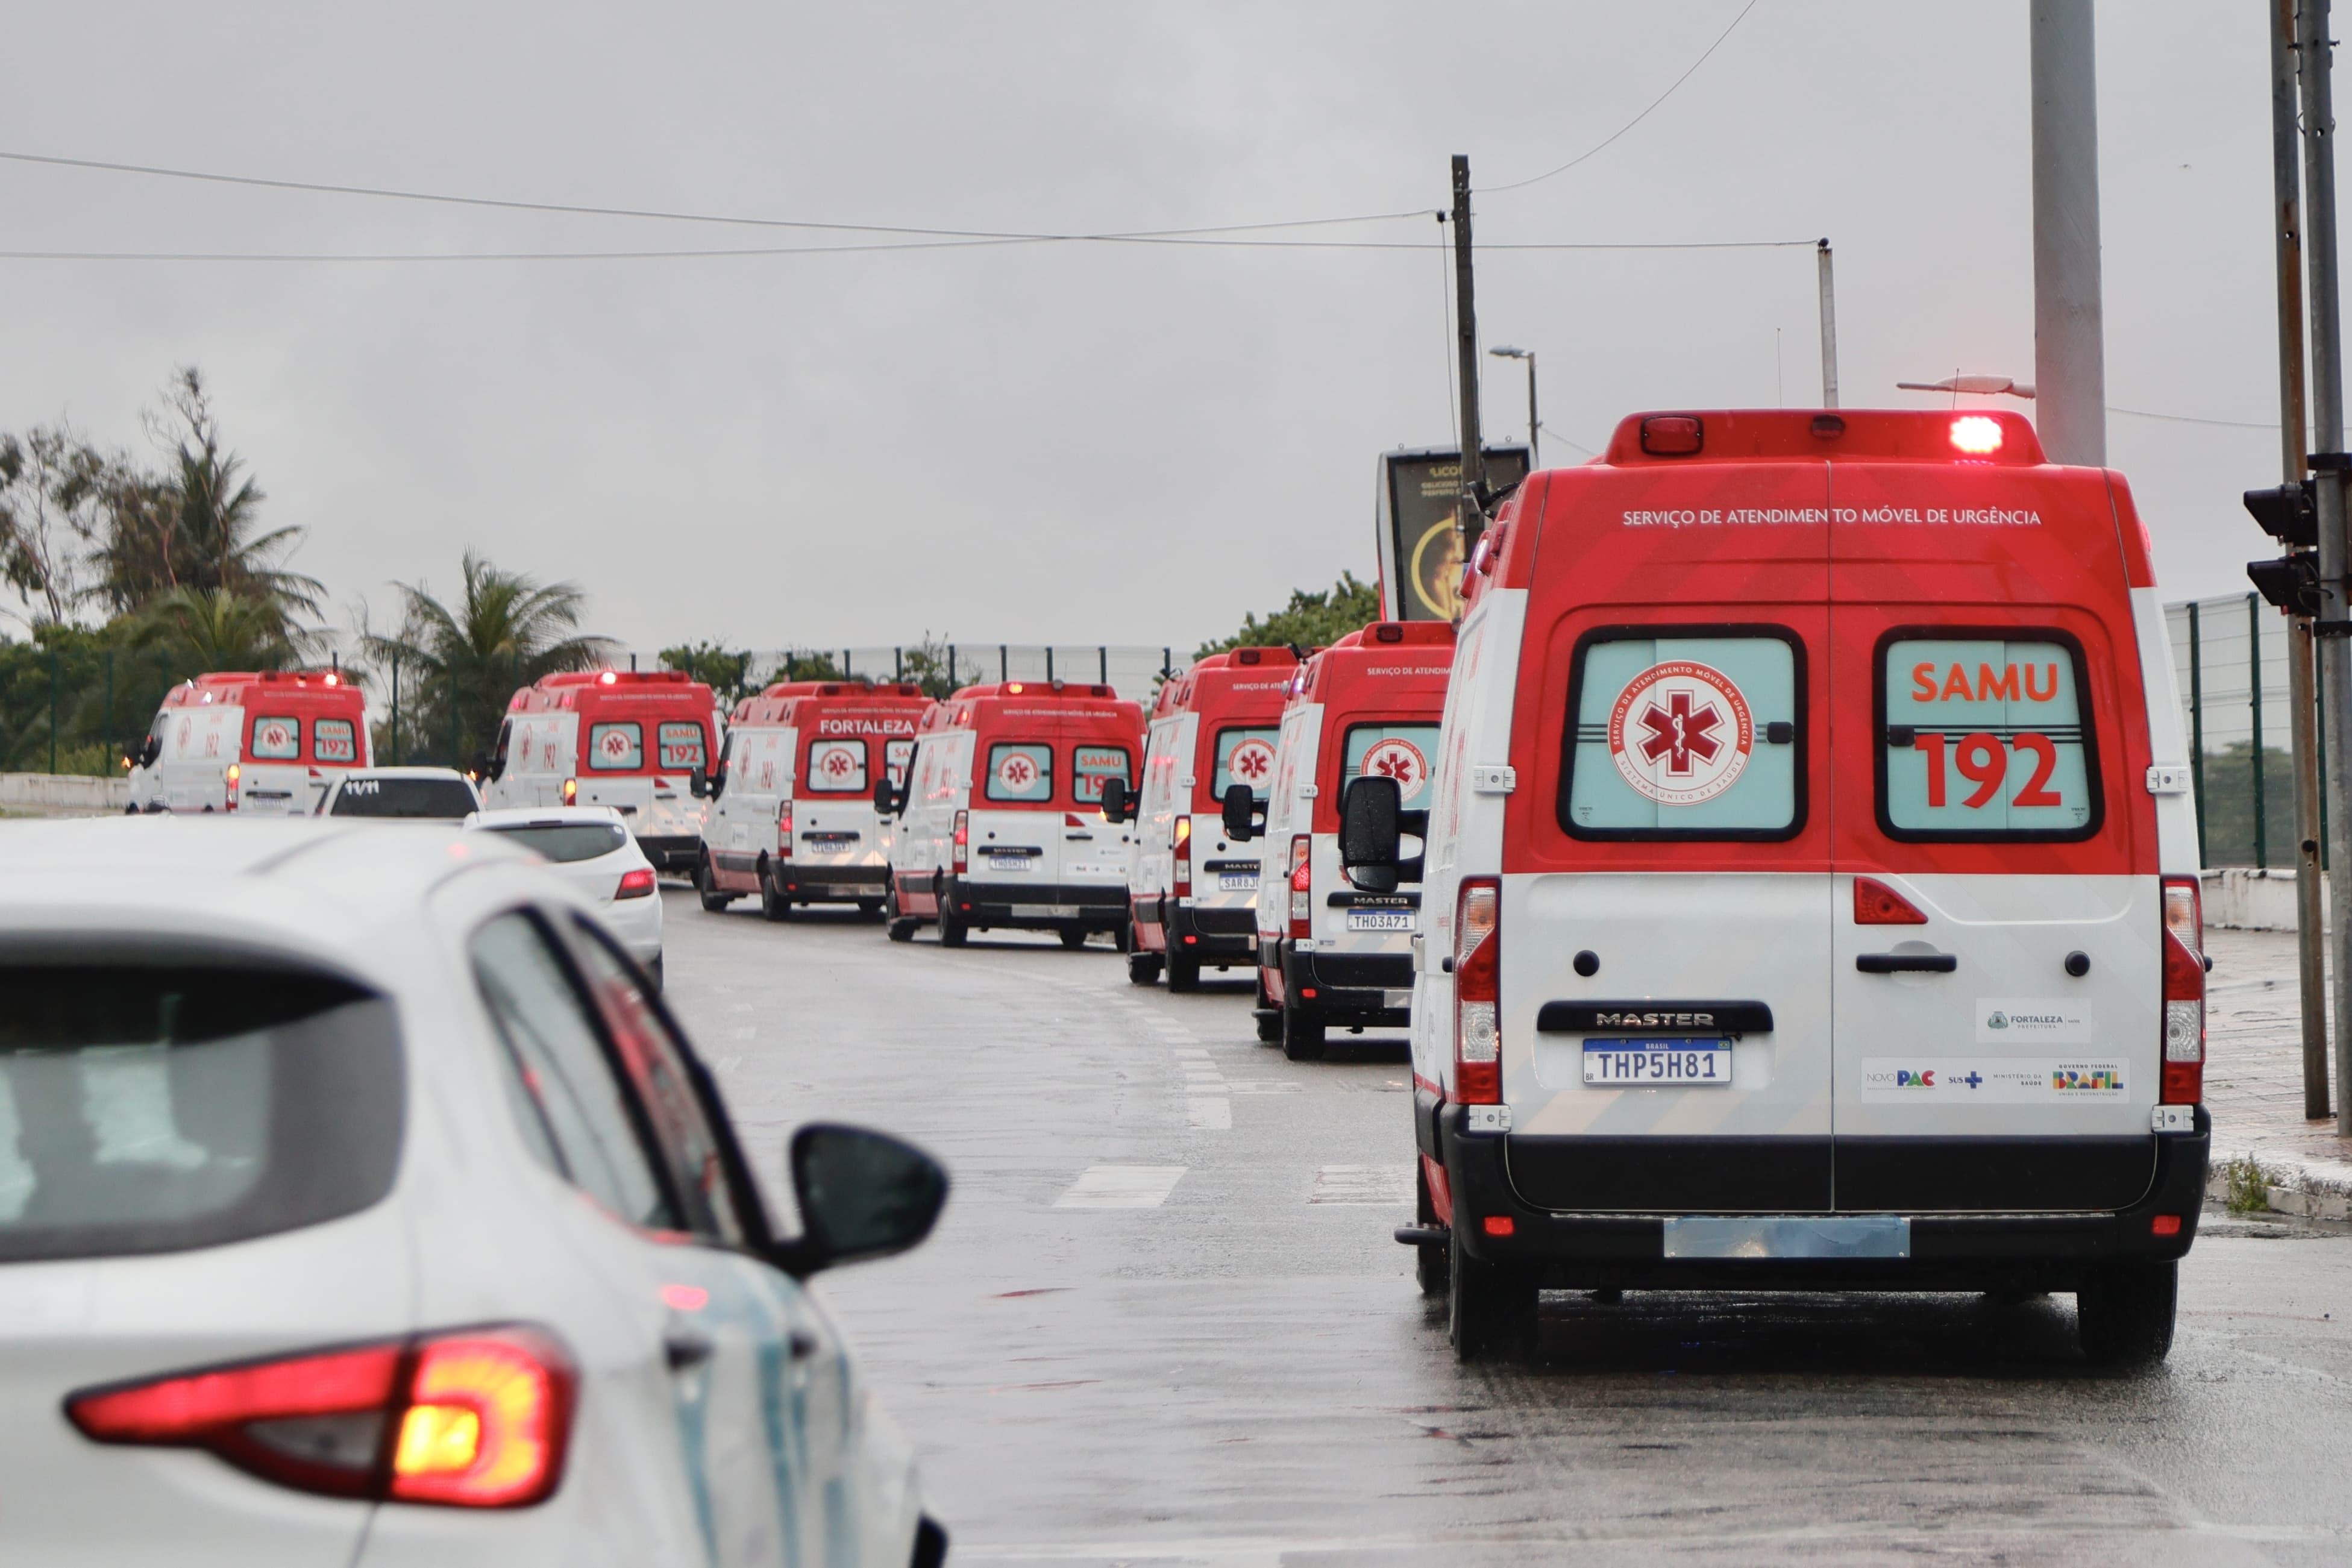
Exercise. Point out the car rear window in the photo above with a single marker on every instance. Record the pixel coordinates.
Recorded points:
(276, 739)
(1986, 735)
(1090, 765)
(1246, 756)
(1686, 733)
(158, 1109)
(1020, 773)
(836, 767)
(564, 842)
(896, 755)
(617, 746)
(433, 799)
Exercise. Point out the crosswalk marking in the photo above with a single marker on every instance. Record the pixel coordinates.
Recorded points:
(1121, 1187)
(1362, 1186)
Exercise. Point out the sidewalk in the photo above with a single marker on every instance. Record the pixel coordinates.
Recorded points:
(2253, 1080)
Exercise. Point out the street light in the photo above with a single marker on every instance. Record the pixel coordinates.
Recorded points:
(1972, 385)
(1506, 352)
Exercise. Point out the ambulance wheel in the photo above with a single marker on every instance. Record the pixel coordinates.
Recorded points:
(1269, 1026)
(1302, 1036)
(1142, 968)
(1431, 1265)
(901, 930)
(1123, 939)
(1490, 1310)
(2123, 1313)
(706, 883)
(772, 902)
(869, 909)
(954, 930)
(1073, 937)
(1184, 971)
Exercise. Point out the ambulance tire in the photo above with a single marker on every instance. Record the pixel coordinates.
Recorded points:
(1430, 1265)
(1269, 1026)
(954, 930)
(714, 898)
(1073, 937)
(2123, 1313)
(772, 902)
(1490, 1312)
(1142, 968)
(1302, 1036)
(901, 930)
(869, 909)
(1184, 971)
(1123, 939)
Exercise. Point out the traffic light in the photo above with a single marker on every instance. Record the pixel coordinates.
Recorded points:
(2291, 582)
(2290, 514)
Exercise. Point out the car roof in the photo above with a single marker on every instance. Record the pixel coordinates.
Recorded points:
(525, 816)
(404, 773)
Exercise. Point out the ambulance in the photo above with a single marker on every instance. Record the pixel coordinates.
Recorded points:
(264, 742)
(1000, 826)
(1330, 955)
(1193, 891)
(1811, 868)
(792, 815)
(639, 741)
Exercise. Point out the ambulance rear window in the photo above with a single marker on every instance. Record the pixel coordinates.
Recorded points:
(617, 747)
(1986, 736)
(1020, 773)
(1686, 733)
(682, 746)
(836, 767)
(1401, 752)
(334, 740)
(1246, 756)
(896, 755)
(1090, 765)
(277, 740)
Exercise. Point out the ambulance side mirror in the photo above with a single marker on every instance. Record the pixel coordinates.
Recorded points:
(1371, 833)
(886, 800)
(1115, 803)
(1245, 818)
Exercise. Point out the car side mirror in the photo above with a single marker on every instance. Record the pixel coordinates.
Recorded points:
(861, 1194)
(1245, 818)
(149, 749)
(1114, 801)
(1372, 834)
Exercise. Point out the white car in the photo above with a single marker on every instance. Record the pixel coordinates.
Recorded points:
(358, 1207)
(591, 847)
(437, 794)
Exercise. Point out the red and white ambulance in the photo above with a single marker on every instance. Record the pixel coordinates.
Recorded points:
(1329, 955)
(1193, 892)
(1000, 823)
(639, 741)
(1812, 880)
(791, 815)
(264, 742)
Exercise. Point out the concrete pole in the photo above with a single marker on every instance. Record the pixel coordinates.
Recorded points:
(2310, 886)
(1471, 515)
(1829, 328)
(2070, 375)
(2315, 64)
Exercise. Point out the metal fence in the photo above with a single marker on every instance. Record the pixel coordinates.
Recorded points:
(2230, 656)
(1133, 671)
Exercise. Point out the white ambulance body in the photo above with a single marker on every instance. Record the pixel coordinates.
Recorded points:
(1812, 883)
(792, 815)
(258, 742)
(639, 741)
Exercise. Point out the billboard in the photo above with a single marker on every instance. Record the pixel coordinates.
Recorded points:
(1421, 549)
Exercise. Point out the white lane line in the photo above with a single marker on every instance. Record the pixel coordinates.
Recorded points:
(1121, 1187)
(1362, 1186)
(1212, 1115)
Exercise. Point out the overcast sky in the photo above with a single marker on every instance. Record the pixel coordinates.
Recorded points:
(1075, 442)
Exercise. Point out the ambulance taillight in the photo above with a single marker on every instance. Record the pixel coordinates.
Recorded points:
(571, 792)
(1478, 992)
(2184, 992)
(1183, 851)
(235, 772)
(1975, 435)
(962, 841)
(784, 830)
(1302, 887)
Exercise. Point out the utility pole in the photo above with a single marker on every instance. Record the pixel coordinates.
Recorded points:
(2316, 66)
(1471, 515)
(2286, 222)
(1829, 328)
(2070, 376)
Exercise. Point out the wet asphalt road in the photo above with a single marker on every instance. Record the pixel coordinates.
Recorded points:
(1163, 1321)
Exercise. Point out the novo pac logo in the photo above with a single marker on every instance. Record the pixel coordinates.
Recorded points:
(1911, 1078)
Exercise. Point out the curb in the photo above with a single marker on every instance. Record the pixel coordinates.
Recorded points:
(2292, 1183)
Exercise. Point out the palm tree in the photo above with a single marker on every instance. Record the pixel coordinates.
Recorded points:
(462, 663)
(220, 628)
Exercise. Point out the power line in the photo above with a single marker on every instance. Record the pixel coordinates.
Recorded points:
(2188, 420)
(723, 252)
(1612, 136)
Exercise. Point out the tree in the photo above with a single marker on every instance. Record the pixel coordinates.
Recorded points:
(220, 628)
(927, 665)
(732, 674)
(1308, 621)
(50, 483)
(459, 665)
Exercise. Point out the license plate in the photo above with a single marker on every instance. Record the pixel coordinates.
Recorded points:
(1060, 911)
(1238, 881)
(1008, 862)
(1380, 919)
(1680, 1063)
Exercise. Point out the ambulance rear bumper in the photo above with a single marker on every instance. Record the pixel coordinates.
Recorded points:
(1367, 990)
(836, 884)
(1041, 906)
(671, 852)
(1947, 1251)
(1189, 928)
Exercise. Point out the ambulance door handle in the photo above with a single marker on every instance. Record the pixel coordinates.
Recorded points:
(1907, 962)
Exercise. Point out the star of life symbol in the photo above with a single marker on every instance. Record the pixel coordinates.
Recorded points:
(1251, 762)
(1681, 732)
(837, 763)
(1017, 771)
(614, 744)
(1400, 760)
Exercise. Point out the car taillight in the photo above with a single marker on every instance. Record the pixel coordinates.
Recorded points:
(473, 1418)
(2184, 992)
(1477, 993)
(784, 830)
(1302, 886)
(1184, 858)
(962, 841)
(571, 792)
(636, 884)
(235, 772)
